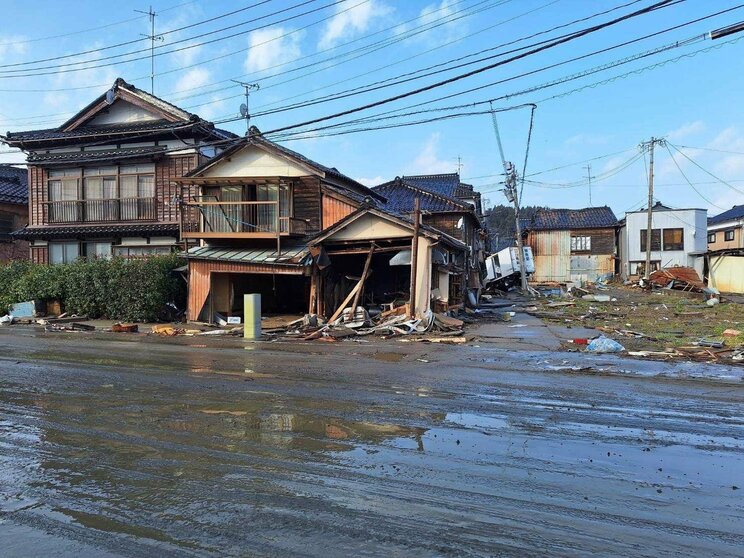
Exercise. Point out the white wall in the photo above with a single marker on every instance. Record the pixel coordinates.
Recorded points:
(121, 112)
(252, 161)
(695, 225)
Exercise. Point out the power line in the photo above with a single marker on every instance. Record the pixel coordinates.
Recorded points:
(482, 69)
(69, 69)
(688, 180)
(90, 29)
(704, 170)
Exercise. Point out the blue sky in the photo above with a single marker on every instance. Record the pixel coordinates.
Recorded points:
(694, 102)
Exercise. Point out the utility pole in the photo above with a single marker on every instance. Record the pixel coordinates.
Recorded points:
(414, 257)
(153, 37)
(510, 191)
(649, 211)
(244, 108)
(513, 196)
(589, 178)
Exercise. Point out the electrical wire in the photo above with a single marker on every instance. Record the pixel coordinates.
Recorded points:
(688, 180)
(703, 169)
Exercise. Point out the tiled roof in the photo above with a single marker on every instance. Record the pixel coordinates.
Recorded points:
(107, 130)
(91, 156)
(13, 185)
(88, 231)
(444, 184)
(567, 219)
(401, 195)
(736, 212)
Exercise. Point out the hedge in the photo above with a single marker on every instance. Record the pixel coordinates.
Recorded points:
(133, 290)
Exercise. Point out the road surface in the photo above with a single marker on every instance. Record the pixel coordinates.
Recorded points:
(124, 446)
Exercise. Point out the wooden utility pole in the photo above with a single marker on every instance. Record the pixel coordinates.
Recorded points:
(649, 211)
(414, 256)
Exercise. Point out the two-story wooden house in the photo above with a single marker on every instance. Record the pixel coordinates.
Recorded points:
(104, 182)
(273, 222)
(449, 206)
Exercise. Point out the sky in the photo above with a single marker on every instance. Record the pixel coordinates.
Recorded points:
(307, 50)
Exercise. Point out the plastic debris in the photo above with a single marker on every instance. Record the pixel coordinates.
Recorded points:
(604, 344)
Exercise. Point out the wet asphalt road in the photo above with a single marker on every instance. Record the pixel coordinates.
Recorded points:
(112, 447)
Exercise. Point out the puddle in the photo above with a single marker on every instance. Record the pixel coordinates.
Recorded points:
(472, 420)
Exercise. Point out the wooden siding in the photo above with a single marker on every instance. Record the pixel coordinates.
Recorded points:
(200, 279)
(335, 209)
(37, 195)
(307, 205)
(447, 223)
(40, 254)
(602, 240)
(167, 171)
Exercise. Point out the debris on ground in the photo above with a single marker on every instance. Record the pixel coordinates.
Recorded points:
(680, 278)
(604, 344)
(124, 328)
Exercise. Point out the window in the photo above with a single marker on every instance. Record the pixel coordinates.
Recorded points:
(728, 235)
(7, 221)
(655, 240)
(63, 252)
(711, 238)
(674, 239)
(581, 243)
(142, 251)
(110, 193)
(98, 250)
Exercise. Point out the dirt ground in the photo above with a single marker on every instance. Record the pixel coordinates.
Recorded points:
(133, 445)
(667, 319)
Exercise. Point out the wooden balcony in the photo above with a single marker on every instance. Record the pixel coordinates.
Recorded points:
(101, 210)
(243, 219)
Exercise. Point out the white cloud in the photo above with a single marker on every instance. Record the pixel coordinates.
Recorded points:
(12, 44)
(587, 140)
(269, 47)
(445, 25)
(349, 22)
(371, 181)
(192, 79)
(428, 161)
(686, 130)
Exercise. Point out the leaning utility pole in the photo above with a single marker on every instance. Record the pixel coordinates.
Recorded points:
(649, 211)
(513, 196)
(153, 37)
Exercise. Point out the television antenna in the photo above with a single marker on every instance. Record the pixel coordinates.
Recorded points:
(153, 37)
(244, 107)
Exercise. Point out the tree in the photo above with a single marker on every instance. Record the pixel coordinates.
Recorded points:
(501, 226)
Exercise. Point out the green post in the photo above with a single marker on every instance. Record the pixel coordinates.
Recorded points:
(252, 316)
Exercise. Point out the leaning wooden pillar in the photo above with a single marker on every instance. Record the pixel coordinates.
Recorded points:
(313, 302)
(414, 257)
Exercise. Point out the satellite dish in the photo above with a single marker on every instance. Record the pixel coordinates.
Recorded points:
(110, 96)
(243, 110)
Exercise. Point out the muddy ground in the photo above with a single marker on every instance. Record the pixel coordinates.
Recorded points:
(133, 446)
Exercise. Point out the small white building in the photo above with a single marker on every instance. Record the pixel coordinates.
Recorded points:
(679, 237)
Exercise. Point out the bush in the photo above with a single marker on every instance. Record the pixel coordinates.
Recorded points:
(118, 289)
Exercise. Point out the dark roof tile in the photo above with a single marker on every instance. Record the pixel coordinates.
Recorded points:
(567, 219)
(736, 212)
(93, 156)
(89, 231)
(13, 185)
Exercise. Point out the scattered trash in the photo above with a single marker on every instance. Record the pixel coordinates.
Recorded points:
(731, 333)
(604, 344)
(712, 301)
(597, 298)
(681, 278)
(167, 330)
(125, 328)
(27, 309)
(7, 320)
(714, 343)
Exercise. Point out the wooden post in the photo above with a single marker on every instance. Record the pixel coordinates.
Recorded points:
(313, 290)
(414, 256)
(278, 230)
(367, 265)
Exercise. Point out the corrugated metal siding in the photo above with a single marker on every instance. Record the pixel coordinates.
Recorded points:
(199, 279)
(552, 252)
(334, 210)
(727, 273)
(589, 268)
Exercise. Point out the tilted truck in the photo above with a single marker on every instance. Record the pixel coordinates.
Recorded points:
(502, 268)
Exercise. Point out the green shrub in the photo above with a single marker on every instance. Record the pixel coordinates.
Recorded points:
(118, 289)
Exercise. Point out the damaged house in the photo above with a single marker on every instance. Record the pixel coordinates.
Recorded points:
(306, 237)
(103, 183)
(453, 208)
(572, 245)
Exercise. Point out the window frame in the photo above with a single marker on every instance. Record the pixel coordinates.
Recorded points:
(581, 243)
(726, 235)
(676, 246)
(711, 238)
(654, 241)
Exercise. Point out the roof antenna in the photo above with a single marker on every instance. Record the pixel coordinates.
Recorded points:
(153, 37)
(244, 111)
(459, 164)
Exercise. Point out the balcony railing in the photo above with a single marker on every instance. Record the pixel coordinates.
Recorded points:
(245, 219)
(101, 210)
